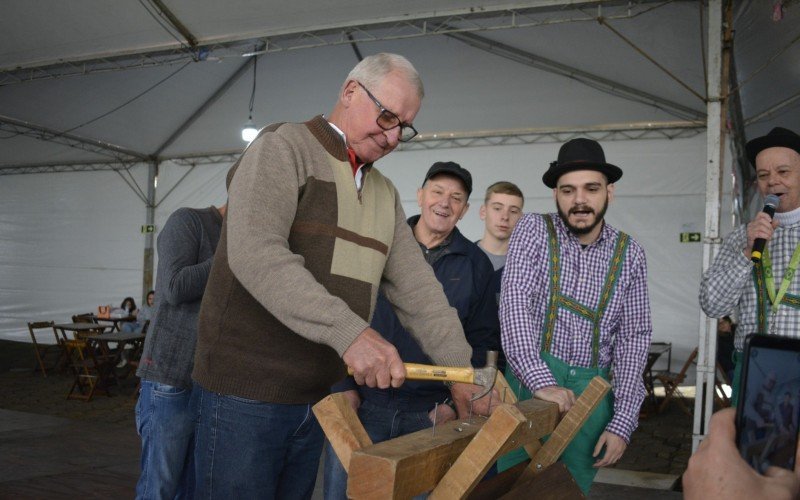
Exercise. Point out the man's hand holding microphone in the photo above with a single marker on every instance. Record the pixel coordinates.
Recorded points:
(760, 229)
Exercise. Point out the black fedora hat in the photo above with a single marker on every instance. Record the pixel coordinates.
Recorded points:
(778, 137)
(453, 169)
(580, 154)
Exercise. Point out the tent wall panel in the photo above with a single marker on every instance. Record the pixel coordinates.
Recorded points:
(71, 241)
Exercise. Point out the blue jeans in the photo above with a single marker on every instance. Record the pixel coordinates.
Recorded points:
(165, 420)
(253, 449)
(381, 424)
(132, 327)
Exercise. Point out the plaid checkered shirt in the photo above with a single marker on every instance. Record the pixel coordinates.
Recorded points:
(625, 327)
(728, 285)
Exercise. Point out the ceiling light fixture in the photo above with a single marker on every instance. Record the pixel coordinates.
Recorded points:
(249, 132)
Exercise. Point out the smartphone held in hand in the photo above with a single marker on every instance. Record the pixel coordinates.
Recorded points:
(768, 412)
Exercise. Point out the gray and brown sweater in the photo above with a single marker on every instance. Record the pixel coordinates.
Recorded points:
(301, 258)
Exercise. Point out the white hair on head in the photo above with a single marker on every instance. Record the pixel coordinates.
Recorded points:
(373, 69)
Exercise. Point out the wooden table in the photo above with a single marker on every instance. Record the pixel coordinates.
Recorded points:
(116, 321)
(91, 373)
(79, 330)
(121, 338)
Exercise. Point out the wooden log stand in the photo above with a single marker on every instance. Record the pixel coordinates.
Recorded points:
(452, 461)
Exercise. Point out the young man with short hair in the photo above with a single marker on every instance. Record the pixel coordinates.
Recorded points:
(500, 212)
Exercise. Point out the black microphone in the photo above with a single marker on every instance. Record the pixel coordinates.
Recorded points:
(770, 204)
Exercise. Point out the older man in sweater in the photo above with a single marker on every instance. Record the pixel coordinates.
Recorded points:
(312, 234)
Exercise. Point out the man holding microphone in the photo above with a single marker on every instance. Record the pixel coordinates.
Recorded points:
(760, 284)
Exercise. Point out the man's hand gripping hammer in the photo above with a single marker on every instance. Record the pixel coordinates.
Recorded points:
(483, 377)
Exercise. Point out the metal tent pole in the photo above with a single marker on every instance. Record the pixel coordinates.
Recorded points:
(149, 251)
(706, 364)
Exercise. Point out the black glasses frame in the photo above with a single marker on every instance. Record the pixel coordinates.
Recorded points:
(407, 131)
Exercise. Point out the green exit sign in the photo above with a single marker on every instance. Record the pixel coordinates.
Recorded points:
(690, 238)
(148, 228)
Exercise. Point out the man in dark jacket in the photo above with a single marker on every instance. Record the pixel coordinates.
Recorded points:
(466, 276)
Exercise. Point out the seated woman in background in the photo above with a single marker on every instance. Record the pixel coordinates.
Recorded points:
(147, 311)
(143, 315)
(129, 307)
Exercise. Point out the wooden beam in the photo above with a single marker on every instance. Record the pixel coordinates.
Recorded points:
(415, 463)
(554, 483)
(569, 426)
(508, 396)
(503, 431)
(494, 439)
(496, 436)
(341, 426)
(495, 487)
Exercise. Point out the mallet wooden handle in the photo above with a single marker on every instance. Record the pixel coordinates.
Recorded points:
(416, 371)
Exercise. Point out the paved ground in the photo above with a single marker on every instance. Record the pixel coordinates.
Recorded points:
(23, 390)
(97, 442)
(662, 444)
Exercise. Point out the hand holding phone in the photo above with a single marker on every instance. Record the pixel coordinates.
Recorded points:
(768, 412)
(717, 471)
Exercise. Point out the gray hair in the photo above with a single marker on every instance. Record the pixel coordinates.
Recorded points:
(373, 69)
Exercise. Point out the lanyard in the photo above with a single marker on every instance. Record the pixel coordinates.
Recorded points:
(788, 275)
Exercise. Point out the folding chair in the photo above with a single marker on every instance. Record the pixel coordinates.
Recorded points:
(84, 318)
(41, 351)
(87, 318)
(672, 381)
(657, 349)
(92, 375)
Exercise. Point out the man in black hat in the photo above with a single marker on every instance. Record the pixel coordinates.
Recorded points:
(574, 302)
(466, 276)
(766, 294)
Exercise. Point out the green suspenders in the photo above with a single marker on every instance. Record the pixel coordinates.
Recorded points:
(765, 288)
(761, 299)
(557, 300)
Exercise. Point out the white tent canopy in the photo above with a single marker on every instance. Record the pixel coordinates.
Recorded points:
(116, 93)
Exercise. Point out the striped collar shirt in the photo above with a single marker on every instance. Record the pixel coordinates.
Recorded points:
(625, 328)
(728, 285)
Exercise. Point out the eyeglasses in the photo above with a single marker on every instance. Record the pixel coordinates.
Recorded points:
(388, 120)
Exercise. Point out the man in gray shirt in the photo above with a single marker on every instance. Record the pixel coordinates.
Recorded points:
(500, 212)
(164, 416)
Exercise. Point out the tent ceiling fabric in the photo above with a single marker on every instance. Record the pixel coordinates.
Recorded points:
(103, 29)
(133, 86)
(294, 84)
(765, 83)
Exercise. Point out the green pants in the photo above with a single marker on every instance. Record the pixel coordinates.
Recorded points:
(578, 455)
